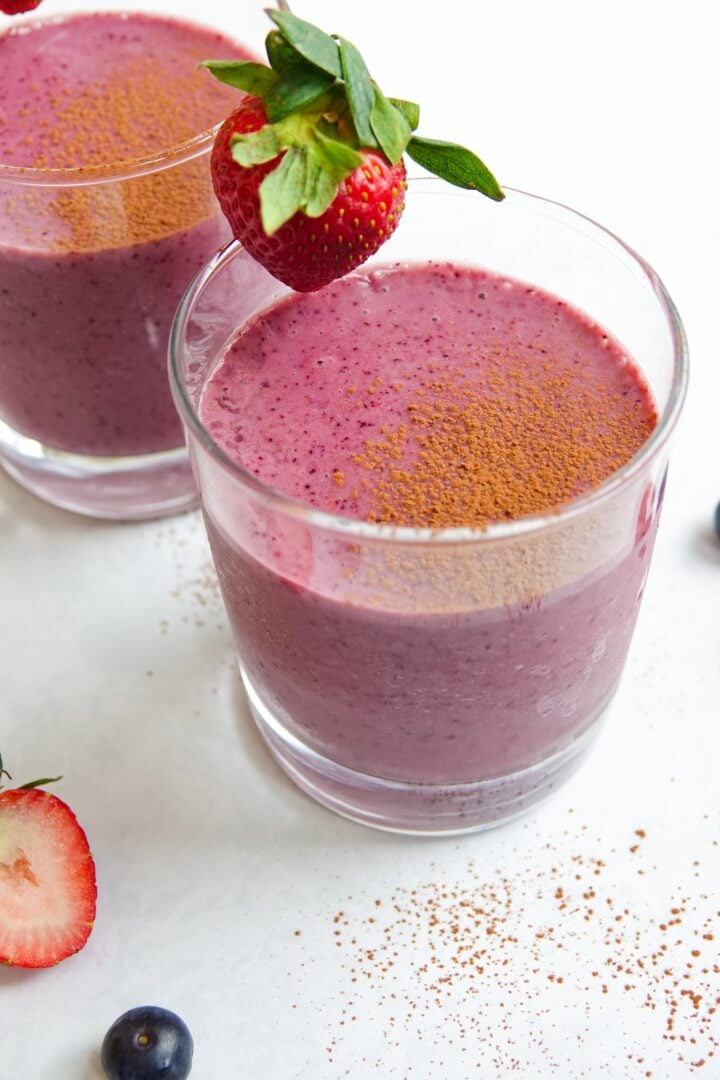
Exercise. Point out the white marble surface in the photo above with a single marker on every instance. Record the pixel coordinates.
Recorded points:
(220, 885)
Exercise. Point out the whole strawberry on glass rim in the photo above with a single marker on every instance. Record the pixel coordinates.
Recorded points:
(48, 891)
(308, 169)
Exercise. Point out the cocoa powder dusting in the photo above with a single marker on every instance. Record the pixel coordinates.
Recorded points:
(138, 111)
(136, 211)
(533, 439)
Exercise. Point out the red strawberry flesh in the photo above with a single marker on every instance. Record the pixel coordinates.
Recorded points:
(47, 880)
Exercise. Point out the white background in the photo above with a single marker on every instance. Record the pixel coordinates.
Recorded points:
(117, 671)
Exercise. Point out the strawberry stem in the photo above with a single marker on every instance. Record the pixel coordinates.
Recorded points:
(31, 783)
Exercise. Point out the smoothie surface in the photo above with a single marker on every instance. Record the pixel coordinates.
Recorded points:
(107, 87)
(428, 396)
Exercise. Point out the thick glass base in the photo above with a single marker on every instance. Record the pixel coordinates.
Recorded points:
(416, 808)
(130, 488)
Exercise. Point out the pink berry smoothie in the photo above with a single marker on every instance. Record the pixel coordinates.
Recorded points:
(90, 275)
(391, 384)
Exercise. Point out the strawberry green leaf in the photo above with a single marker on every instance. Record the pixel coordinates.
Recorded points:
(39, 783)
(244, 75)
(409, 110)
(315, 45)
(390, 126)
(360, 91)
(455, 164)
(320, 190)
(282, 192)
(308, 176)
(295, 90)
(257, 147)
(336, 158)
(280, 53)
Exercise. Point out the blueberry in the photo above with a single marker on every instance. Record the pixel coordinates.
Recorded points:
(147, 1043)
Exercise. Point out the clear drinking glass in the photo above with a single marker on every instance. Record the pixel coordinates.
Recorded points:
(93, 263)
(426, 680)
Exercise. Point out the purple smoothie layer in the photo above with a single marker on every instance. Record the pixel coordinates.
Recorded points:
(432, 697)
(90, 276)
(439, 666)
(83, 342)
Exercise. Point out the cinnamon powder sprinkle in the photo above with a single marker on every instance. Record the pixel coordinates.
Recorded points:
(139, 110)
(136, 112)
(534, 438)
(134, 211)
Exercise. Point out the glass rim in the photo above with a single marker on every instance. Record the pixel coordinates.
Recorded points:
(114, 171)
(456, 534)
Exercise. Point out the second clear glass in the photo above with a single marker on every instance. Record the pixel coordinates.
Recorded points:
(94, 259)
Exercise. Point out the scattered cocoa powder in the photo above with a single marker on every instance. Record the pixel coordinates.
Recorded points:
(196, 593)
(482, 963)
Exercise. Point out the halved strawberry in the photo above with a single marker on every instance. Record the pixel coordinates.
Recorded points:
(47, 880)
(309, 168)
